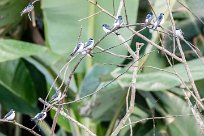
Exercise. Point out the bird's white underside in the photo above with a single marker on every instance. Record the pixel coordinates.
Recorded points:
(11, 117)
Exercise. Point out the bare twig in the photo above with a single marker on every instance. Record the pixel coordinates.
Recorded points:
(21, 126)
(90, 16)
(132, 96)
(157, 46)
(105, 11)
(146, 119)
(109, 52)
(131, 65)
(126, 16)
(68, 117)
(183, 56)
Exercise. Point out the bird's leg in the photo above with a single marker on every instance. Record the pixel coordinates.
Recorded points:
(29, 16)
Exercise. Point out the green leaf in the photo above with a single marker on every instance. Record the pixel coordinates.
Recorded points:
(92, 79)
(196, 7)
(12, 49)
(61, 25)
(10, 11)
(106, 102)
(17, 87)
(161, 80)
(175, 105)
(62, 121)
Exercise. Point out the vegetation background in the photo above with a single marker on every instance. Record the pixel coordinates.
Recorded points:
(32, 56)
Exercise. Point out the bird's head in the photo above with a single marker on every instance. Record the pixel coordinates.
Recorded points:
(90, 39)
(162, 14)
(150, 13)
(120, 17)
(104, 25)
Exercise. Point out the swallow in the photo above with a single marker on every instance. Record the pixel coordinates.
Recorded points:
(56, 96)
(78, 49)
(148, 19)
(28, 9)
(40, 116)
(159, 21)
(88, 45)
(10, 115)
(106, 28)
(179, 33)
(118, 22)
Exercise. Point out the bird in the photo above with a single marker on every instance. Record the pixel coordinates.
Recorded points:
(148, 19)
(159, 21)
(28, 9)
(118, 22)
(10, 115)
(179, 33)
(106, 28)
(78, 49)
(56, 96)
(40, 116)
(88, 46)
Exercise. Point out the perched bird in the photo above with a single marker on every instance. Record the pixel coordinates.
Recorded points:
(56, 96)
(179, 33)
(159, 21)
(118, 22)
(148, 19)
(40, 116)
(10, 115)
(28, 9)
(79, 47)
(88, 46)
(106, 28)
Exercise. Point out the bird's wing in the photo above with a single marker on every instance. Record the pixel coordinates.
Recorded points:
(8, 114)
(148, 16)
(75, 49)
(87, 44)
(54, 96)
(157, 23)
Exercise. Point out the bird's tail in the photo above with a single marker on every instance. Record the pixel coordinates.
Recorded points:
(33, 119)
(116, 33)
(145, 24)
(73, 53)
(21, 13)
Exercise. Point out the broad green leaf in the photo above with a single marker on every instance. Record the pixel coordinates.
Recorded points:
(175, 105)
(196, 7)
(61, 23)
(10, 11)
(106, 102)
(17, 87)
(12, 49)
(92, 79)
(47, 62)
(161, 80)
(62, 26)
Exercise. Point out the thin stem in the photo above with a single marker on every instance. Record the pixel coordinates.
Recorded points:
(21, 126)
(68, 117)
